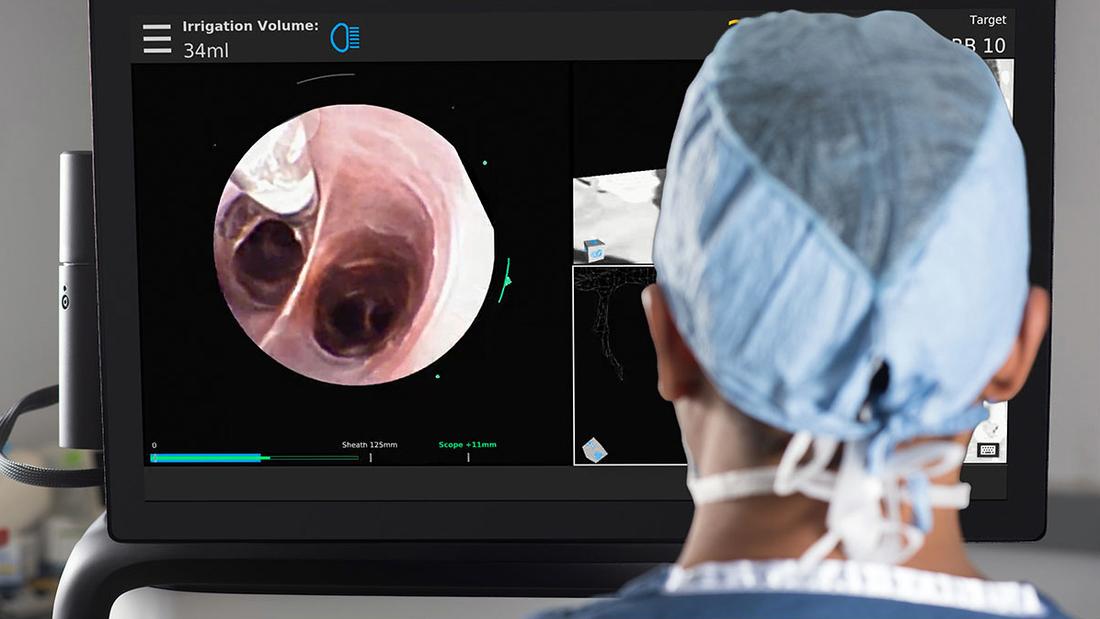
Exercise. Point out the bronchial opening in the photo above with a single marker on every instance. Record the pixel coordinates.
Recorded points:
(360, 319)
(365, 305)
(268, 260)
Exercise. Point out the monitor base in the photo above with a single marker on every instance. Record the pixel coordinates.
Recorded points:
(101, 569)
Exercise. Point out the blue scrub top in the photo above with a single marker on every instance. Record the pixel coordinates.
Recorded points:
(645, 598)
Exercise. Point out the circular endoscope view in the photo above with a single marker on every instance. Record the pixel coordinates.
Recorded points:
(351, 246)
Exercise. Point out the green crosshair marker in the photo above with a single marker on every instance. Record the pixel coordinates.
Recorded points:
(507, 280)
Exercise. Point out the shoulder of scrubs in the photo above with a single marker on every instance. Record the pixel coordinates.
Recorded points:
(758, 590)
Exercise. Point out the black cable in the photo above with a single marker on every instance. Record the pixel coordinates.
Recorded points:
(36, 475)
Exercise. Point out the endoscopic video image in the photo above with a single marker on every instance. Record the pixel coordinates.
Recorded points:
(351, 246)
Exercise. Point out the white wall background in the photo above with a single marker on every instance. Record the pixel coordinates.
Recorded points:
(1075, 407)
(44, 109)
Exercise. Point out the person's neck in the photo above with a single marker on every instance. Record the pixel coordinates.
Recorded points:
(772, 527)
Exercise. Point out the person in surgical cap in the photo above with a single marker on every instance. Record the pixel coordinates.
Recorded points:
(842, 282)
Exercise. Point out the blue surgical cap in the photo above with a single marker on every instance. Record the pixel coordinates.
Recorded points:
(846, 196)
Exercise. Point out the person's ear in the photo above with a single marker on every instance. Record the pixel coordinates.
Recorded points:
(678, 373)
(1008, 380)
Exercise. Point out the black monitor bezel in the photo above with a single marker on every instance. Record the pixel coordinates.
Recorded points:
(1022, 516)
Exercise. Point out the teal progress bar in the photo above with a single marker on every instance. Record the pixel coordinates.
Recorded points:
(175, 458)
(161, 458)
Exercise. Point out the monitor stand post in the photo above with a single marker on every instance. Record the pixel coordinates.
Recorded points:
(101, 569)
(80, 424)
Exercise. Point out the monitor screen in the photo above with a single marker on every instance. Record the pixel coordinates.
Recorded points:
(398, 256)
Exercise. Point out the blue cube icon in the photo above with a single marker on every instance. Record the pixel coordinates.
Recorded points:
(594, 451)
(594, 249)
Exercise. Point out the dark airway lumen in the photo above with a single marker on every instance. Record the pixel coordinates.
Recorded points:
(268, 260)
(360, 318)
(361, 307)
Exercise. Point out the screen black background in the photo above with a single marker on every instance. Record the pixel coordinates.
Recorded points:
(208, 388)
(290, 515)
(512, 379)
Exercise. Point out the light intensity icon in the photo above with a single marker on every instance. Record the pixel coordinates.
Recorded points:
(343, 37)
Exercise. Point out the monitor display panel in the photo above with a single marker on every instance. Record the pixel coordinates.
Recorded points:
(348, 275)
